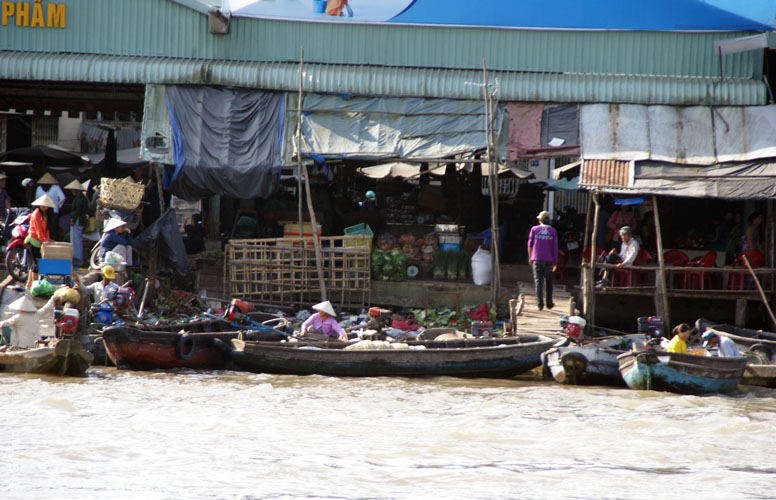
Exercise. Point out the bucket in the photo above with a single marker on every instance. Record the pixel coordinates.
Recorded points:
(319, 6)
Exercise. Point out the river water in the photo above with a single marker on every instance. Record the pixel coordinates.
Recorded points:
(231, 435)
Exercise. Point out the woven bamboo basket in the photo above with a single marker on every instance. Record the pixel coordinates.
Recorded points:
(121, 193)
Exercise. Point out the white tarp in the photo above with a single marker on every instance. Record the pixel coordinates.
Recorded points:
(335, 126)
(742, 181)
(698, 135)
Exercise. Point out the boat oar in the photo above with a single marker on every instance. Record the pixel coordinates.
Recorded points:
(760, 289)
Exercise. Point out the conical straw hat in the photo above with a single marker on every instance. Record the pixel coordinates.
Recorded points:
(23, 304)
(48, 179)
(44, 201)
(325, 307)
(75, 185)
(113, 224)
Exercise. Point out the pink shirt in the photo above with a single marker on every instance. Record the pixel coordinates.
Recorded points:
(327, 326)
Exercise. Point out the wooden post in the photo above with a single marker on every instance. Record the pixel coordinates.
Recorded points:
(760, 289)
(495, 280)
(310, 208)
(661, 293)
(588, 298)
(299, 152)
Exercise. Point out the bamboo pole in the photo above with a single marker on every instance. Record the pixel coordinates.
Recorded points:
(583, 271)
(299, 150)
(589, 291)
(495, 275)
(303, 171)
(661, 295)
(760, 289)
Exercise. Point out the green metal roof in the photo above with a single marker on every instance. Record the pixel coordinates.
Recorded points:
(381, 80)
(150, 41)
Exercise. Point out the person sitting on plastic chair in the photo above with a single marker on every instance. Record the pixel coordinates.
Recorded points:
(628, 252)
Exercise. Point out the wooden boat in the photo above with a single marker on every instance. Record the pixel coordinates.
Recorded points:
(460, 357)
(61, 357)
(148, 347)
(680, 373)
(591, 362)
(132, 348)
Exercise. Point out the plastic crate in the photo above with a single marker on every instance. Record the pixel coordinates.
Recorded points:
(362, 229)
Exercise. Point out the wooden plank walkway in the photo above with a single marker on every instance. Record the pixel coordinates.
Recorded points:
(528, 319)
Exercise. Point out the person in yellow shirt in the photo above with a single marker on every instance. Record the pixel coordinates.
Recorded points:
(679, 341)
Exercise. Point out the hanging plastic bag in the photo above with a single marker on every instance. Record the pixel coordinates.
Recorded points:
(42, 288)
(481, 267)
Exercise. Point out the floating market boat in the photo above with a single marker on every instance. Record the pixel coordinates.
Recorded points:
(459, 357)
(162, 346)
(60, 357)
(680, 373)
(589, 362)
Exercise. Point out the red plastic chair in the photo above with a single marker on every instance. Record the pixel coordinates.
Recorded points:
(697, 280)
(625, 276)
(674, 258)
(561, 271)
(738, 280)
(599, 252)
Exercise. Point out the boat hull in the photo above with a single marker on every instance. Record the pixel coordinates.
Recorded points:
(592, 363)
(134, 349)
(680, 373)
(64, 357)
(760, 375)
(492, 361)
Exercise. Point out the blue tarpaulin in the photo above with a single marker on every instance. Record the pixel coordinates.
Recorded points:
(656, 15)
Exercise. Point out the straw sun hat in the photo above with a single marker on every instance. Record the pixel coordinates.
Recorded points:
(325, 307)
(44, 201)
(48, 179)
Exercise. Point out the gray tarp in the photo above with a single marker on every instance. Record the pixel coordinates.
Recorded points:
(226, 141)
(390, 127)
(170, 241)
(697, 135)
(753, 180)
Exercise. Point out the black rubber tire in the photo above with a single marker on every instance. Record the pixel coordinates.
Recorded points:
(762, 352)
(574, 364)
(184, 349)
(15, 266)
(222, 346)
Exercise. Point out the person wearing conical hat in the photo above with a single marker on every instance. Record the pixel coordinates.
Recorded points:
(48, 184)
(38, 234)
(25, 323)
(78, 217)
(117, 237)
(324, 322)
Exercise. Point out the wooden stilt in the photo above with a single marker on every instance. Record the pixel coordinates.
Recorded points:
(661, 293)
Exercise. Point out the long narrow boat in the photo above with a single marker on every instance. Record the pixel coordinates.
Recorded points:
(132, 348)
(148, 347)
(476, 357)
(61, 357)
(680, 373)
(591, 362)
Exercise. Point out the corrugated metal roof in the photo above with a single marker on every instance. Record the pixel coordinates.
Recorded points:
(164, 28)
(605, 173)
(381, 80)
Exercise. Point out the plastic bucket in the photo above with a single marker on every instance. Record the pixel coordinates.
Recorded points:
(319, 6)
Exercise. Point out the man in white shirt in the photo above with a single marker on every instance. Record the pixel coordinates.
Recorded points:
(628, 252)
(106, 288)
(726, 347)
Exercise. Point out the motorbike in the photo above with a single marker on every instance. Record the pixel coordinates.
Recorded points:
(130, 217)
(18, 258)
(570, 235)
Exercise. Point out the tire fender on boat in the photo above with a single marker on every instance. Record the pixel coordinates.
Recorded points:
(762, 352)
(574, 363)
(222, 346)
(184, 349)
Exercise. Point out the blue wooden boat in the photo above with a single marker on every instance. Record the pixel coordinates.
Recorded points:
(680, 373)
(590, 362)
(476, 357)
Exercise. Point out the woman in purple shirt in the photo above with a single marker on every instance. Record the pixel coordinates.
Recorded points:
(324, 322)
(543, 257)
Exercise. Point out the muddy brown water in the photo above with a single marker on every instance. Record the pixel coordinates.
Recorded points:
(231, 435)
